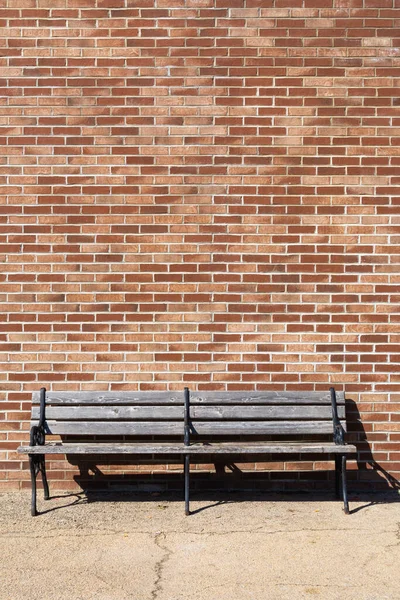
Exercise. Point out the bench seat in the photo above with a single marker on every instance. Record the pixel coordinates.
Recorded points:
(106, 448)
(269, 448)
(200, 448)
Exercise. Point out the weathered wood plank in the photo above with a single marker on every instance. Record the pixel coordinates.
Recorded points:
(210, 448)
(261, 427)
(105, 448)
(114, 427)
(151, 398)
(167, 397)
(82, 413)
(263, 412)
(270, 448)
(176, 428)
(264, 398)
(112, 413)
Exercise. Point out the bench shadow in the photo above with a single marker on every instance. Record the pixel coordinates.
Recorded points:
(213, 499)
(80, 498)
(370, 472)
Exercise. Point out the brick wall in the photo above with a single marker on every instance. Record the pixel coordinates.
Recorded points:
(202, 193)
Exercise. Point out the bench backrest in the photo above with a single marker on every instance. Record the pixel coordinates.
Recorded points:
(264, 413)
(111, 413)
(210, 413)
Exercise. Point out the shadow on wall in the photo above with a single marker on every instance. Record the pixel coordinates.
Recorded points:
(369, 470)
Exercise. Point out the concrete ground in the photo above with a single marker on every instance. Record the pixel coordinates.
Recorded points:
(243, 548)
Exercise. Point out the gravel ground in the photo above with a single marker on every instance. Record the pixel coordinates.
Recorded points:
(232, 548)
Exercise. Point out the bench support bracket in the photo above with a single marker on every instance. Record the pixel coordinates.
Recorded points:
(338, 433)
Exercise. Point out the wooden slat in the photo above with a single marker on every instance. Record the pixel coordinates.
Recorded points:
(261, 427)
(271, 448)
(82, 413)
(264, 398)
(149, 398)
(212, 448)
(264, 412)
(152, 398)
(176, 428)
(105, 448)
(112, 413)
(114, 427)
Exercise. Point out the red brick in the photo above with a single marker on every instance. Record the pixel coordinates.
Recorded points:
(218, 210)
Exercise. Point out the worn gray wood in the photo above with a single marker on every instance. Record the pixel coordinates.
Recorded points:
(112, 413)
(168, 397)
(114, 427)
(210, 448)
(176, 428)
(271, 448)
(263, 412)
(261, 427)
(264, 398)
(105, 448)
(81, 413)
(151, 398)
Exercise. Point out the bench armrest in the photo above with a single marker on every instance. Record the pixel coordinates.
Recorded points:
(338, 431)
(38, 432)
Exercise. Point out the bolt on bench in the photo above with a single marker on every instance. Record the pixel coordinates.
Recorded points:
(196, 424)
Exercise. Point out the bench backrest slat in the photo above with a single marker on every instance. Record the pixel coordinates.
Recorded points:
(280, 398)
(261, 427)
(110, 428)
(264, 412)
(102, 398)
(79, 413)
(112, 413)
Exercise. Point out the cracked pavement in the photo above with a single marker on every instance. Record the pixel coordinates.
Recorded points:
(234, 547)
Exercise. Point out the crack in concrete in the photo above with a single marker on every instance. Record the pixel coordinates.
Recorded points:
(397, 536)
(160, 564)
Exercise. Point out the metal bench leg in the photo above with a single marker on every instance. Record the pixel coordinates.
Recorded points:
(37, 465)
(42, 468)
(337, 476)
(33, 466)
(344, 486)
(187, 475)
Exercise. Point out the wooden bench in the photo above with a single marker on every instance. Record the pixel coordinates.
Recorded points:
(87, 417)
(306, 423)
(198, 423)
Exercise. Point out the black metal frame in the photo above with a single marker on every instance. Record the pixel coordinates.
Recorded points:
(186, 441)
(340, 459)
(37, 461)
